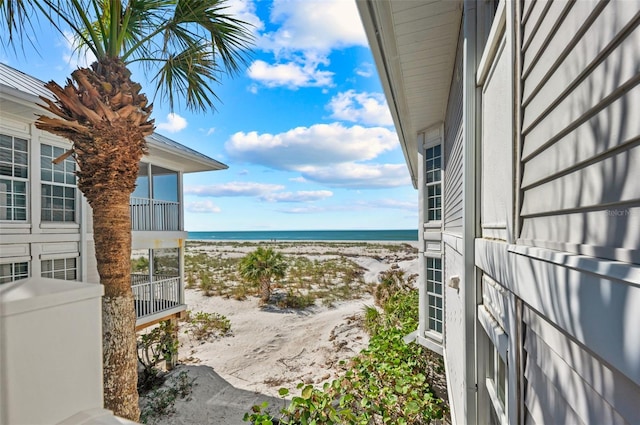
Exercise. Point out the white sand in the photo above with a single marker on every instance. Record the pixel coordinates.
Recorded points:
(271, 348)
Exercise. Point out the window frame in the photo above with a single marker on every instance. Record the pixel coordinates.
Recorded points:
(53, 184)
(66, 269)
(429, 331)
(496, 342)
(436, 184)
(13, 179)
(13, 276)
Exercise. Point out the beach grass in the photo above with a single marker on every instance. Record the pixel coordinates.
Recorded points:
(318, 272)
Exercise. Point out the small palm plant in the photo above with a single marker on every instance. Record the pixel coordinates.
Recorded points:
(262, 266)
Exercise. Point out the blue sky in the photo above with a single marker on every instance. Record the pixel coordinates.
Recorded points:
(305, 129)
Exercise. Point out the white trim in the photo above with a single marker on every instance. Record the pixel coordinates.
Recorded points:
(470, 211)
(20, 259)
(430, 344)
(495, 333)
(608, 269)
(492, 392)
(493, 41)
(59, 256)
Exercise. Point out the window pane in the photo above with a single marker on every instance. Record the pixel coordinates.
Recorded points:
(46, 150)
(20, 158)
(58, 176)
(6, 141)
(490, 366)
(501, 380)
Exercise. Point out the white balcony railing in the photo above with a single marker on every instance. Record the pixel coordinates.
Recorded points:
(154, 296)
(152, 214)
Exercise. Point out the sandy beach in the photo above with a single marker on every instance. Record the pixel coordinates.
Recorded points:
(271, 347)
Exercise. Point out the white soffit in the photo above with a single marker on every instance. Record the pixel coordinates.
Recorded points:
(414, 45)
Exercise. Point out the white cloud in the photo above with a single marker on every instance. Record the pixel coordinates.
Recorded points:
(318, 145)
(291, 74)
(320, 25)
(307, 31)
(234, 189)
(245, 10)
(74, 56)
(307, 209)
(366, 108)
(300, 196)
(365, 69)
(392, 204)
(211, 131)
(202, 207)
(173, 123)
(361, 176)
(298, 180)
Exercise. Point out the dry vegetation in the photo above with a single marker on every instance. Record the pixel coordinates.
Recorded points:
(322, 272)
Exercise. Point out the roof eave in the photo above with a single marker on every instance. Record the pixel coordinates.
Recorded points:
(381, 30)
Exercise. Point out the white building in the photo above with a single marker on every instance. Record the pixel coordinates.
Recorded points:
(50, 308)
(518, 120)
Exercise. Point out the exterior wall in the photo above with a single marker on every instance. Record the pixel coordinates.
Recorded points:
(453, 249)
(50, 350)
(580, 92)
(572, 354)
(453, 150)
(34, 240)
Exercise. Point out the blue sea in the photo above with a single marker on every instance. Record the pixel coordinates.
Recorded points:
(309, 235)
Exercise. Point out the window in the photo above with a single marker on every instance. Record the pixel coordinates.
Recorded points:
(13, 271)
(494, 349)
(59, 191)
(14, 160)
(60, 268)
(433, 180)
(434, 294)
(496, 382)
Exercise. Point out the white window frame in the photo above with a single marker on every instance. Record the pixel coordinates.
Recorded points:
(64, 185)
(13, 263)
(496, 341)
(429, 331)
(433, 184)
(51, 273)
(13, 179)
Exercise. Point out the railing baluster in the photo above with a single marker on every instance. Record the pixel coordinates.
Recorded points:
(155, 296)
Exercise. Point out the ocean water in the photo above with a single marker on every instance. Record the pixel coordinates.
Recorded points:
(309, 235)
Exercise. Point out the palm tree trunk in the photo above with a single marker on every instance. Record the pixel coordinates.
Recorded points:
(112, 235)
(266, 291)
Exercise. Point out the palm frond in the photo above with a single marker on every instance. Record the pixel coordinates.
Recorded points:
(188, 74)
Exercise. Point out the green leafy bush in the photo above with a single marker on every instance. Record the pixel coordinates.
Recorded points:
(387, 383)
(203, 326)
(160, 402)
(156, 346)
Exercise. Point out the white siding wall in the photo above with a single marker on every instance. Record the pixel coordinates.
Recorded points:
(580, 149)
(497, 145)
(453, 264)
(453, 155)
(565, 383)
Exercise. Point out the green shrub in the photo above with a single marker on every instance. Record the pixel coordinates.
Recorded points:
(203, 326)
(295, 300)
(160, 402)
(389, 382)
(154, 347)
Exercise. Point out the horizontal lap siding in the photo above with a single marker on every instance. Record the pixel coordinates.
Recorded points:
(565, 383)
(454, 161)
(581, 136)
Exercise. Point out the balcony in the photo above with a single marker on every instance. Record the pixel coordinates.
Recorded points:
(156, 296)
(154, 215)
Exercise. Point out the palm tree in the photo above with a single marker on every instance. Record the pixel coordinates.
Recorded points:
(184, 46)
(262, 266)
